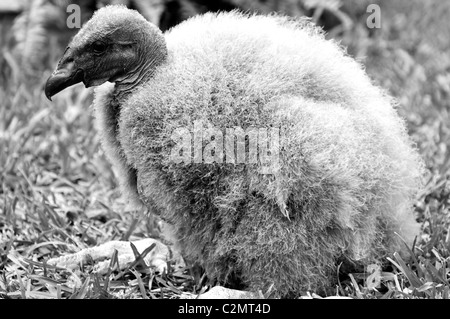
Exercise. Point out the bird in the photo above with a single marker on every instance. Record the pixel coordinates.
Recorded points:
(265, 145)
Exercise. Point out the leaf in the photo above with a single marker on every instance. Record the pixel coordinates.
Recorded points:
(140, 284)
(140, 257)
(412, 277)
(83, 290)
(435, 273)
(51, 282)
(355, 285)
(426, 286)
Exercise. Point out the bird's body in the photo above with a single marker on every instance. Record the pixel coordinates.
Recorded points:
(346, 174)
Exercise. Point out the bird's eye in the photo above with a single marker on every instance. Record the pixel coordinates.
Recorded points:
(99, 47)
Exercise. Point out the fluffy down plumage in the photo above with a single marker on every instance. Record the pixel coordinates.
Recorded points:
(348, 171)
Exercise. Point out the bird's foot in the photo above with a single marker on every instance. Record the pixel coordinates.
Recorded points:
(156, 258)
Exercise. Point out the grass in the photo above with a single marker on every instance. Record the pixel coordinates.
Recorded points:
(58, 193)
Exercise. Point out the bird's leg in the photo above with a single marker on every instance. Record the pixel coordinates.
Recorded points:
(156, 258)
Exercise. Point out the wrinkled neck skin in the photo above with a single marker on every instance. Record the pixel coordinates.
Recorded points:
(152, 52)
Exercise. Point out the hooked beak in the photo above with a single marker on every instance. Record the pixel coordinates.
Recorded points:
(64, 76)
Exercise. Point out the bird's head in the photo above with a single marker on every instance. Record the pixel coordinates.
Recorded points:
(115, 44)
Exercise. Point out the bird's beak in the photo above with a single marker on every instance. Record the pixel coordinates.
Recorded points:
(64, 76)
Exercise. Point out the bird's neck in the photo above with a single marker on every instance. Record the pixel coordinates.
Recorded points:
(153, 53)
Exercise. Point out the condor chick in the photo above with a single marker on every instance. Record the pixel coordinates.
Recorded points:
(346, 171)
